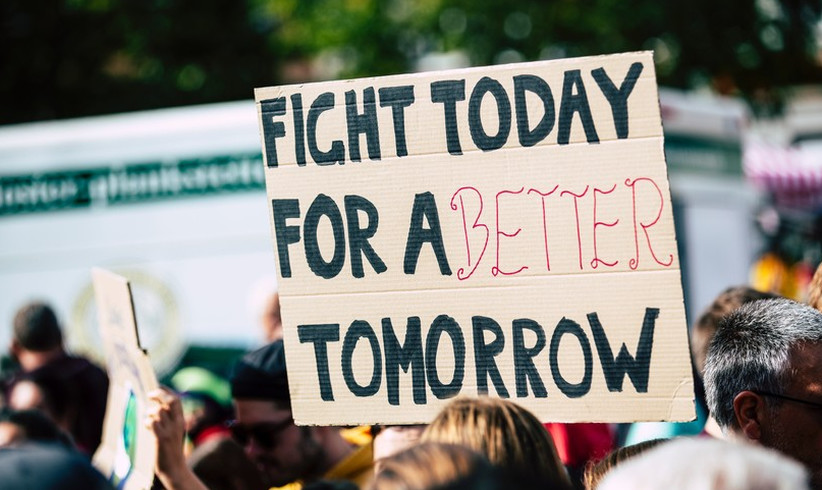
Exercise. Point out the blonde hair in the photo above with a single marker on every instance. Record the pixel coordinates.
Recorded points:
(595, 471)
(430, 465)
(510, 436)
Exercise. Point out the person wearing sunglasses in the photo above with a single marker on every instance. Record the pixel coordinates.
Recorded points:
(763, 379)
(284, 453)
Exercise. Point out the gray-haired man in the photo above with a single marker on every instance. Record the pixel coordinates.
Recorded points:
(763, 379)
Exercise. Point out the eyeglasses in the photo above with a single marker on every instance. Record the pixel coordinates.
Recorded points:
(815, 405)
(264, 434)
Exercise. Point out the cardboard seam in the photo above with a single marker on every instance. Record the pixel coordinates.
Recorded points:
(469, 152)
(428, 288)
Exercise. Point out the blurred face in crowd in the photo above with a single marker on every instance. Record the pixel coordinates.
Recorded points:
(10, 434)
(282, 451)
(393, 439)
(26, 395)
(271, 320)
(792, 427)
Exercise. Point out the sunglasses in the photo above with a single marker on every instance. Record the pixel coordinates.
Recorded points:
(264, 434)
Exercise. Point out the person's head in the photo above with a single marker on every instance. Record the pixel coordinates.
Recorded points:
(270, 320)
(706, 464)
(708, 322)
(433, 465)
(763, 378)
(391, 439)
(47, 394)
(19, 426)
(35, 330)
(48, 467)
(265, 428)
(595, 471)
(510, 437)
(706, 325)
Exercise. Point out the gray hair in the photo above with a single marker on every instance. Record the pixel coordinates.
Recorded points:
(707, 464)
(751, 351)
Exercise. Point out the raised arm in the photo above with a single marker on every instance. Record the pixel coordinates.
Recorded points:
(164, 417)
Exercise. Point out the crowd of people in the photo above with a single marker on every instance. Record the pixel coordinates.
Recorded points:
(757, 368)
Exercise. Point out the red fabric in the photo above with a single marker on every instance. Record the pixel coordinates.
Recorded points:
(579, 443)
(212, 432)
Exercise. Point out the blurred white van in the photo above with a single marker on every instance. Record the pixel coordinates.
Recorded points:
(174, 199)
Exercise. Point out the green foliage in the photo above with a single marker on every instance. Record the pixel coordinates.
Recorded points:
(68, 58)
(753, 48)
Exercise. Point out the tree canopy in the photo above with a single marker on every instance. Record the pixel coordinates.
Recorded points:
(69, 58)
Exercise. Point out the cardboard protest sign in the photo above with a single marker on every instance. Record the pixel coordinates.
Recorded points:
(504, 230)
(128, 451)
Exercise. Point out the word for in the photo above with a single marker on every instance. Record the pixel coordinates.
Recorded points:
(421, 358)
(448, 93)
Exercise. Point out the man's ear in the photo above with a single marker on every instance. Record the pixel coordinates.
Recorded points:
(749, 412)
